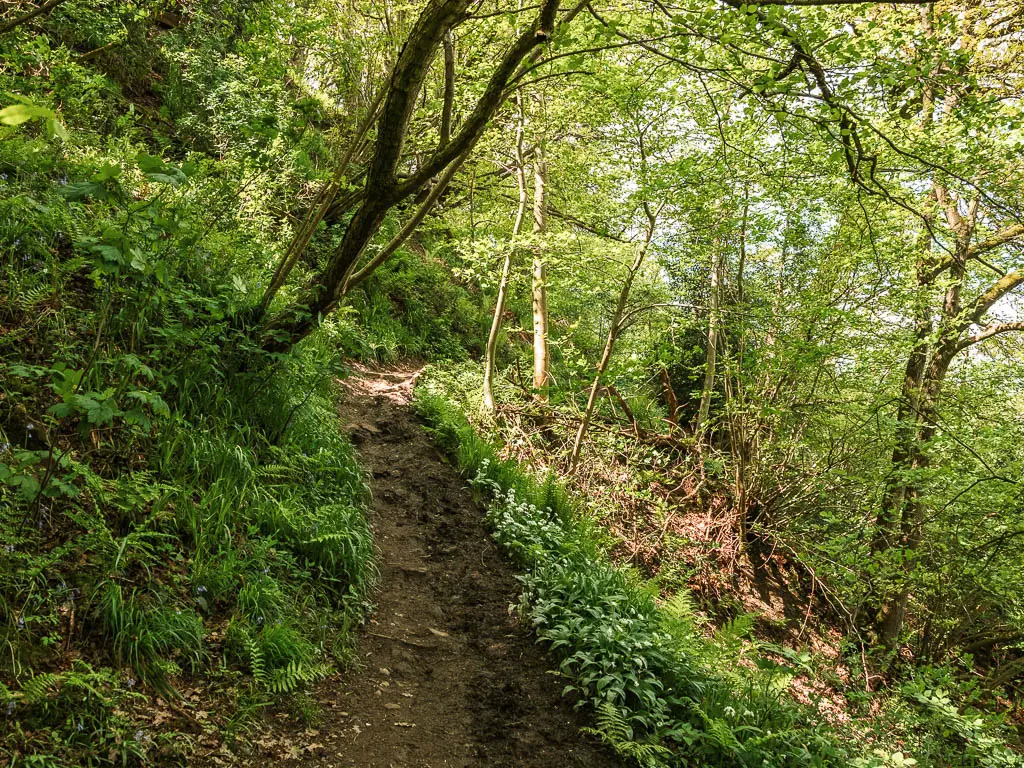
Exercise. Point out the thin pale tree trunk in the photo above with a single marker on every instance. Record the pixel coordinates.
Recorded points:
(539, 286)
(614, 328)
(490, 351)
(713, 323)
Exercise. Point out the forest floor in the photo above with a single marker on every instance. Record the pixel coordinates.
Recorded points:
(445, 674)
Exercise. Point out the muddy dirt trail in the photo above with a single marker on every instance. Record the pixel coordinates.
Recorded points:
(445, 675)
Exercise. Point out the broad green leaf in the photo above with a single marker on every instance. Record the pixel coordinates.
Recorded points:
(16, 114)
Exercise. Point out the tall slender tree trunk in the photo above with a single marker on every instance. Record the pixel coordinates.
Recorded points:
(911, 511)
(448, 107)
(899, 499)
(539, 283)
(901, 520)
(894, 526)
(713, 322)
(490, 351)
(908, 414)
(614, 327)
(740, 443)
(922, 388)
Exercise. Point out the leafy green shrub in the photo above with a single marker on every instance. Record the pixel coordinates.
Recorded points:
(968, 729)
(411, 308)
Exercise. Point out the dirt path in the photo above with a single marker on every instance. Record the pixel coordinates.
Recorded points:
(445, 676)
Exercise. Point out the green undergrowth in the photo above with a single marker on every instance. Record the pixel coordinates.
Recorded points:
(663, 691)
(231, 560)
(413, 308)
(182, 538)
(178, 509)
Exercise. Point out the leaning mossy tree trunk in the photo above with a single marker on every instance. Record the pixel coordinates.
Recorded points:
(383, 188)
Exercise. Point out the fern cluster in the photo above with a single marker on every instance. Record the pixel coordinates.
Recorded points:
(280, 659)
(91, 701)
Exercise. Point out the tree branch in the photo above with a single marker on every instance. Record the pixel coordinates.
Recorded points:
(1009, 234)
(996, 291)
(493, 96)
(988, 332)
(998, 239)
(421, 213)
(44, 8)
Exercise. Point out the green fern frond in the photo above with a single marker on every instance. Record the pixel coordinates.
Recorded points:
(274, 472)
(257, 661)
(680, 606)
(31, 296)
(296, 674)
(614, 730)
(733, 633)
(39, 688)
